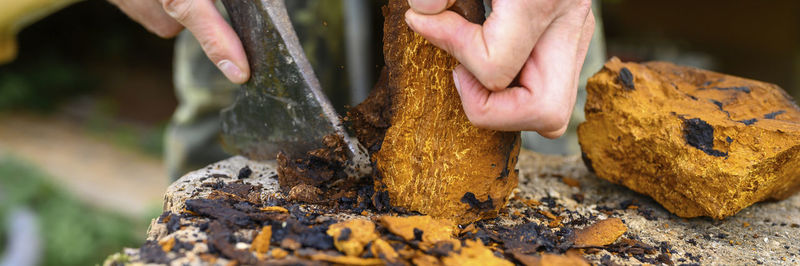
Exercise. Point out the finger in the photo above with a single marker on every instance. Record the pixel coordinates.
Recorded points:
(553, 71)
(217, 38)
(430, 7)
(586, 38)
(497, 110)
(491, 52)
(583, 48)
(151, 15)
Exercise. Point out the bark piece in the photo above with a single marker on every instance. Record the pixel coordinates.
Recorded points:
(428, 156)
(700, 143)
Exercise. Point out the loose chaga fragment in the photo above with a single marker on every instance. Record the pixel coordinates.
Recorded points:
(261, 242)
(551, 260)
(474, 253)
(601, 233)
(429, 158)
(346, 260)
(426, 229)
(698, 142)
(350, 237)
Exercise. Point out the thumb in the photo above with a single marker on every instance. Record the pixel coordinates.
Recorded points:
(473, 95)
(430, 7)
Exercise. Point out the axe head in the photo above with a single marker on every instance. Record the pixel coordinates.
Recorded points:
(282, 107)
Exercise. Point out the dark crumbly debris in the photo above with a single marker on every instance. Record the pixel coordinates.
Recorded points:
(418, 234)
(151, 252)
(475, 204)
(227, 212)
(700, 134)
(318, 168)
(345, 234)
(626, 78)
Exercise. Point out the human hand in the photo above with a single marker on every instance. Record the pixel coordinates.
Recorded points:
(167, 18)
(540, 45)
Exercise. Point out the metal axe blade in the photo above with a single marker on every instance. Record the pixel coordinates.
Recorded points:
(282, 107)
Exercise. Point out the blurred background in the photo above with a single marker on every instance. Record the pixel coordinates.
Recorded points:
(84, 106)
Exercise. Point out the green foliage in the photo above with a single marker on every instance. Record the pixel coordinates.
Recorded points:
(146, 139)
(72, 233)
(40, 85)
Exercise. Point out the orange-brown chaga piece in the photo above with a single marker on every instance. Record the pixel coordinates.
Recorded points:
(350, 237)
(700, 143)
(601, 233)
(261, 242)
(428, 156)
(474, 253)
(426, 229)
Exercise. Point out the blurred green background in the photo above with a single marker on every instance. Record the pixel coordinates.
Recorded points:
(84, 106)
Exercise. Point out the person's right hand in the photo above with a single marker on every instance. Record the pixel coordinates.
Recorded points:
(167, 18)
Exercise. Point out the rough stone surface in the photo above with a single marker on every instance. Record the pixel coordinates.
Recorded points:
(763, 233)
(698, 142)
(428, 156)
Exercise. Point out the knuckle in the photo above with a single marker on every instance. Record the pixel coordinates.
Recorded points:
(550, 118)
(178, 9)
(497, 76)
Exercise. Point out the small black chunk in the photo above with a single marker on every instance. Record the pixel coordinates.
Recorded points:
(700, 134)
(441, 249)
(174, 223)
(418, 234)
(345, 234)
(722, 235)
(245, 172)
(773, 114)
(626, 78)
(381, 201)
(180, 245)
(151, 252)
(748, 121)
(729, 139)
(469, 198)
(627, 203)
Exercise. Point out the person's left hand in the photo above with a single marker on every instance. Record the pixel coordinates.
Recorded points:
(540, 44)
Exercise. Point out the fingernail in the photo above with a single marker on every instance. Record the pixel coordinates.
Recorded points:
(457, 82)
(231, 71)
